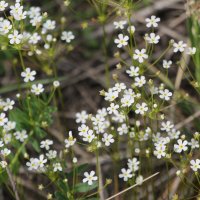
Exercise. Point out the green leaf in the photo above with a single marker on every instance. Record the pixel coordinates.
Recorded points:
(84, 187)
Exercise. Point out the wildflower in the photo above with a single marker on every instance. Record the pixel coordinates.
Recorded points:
(141, 108)
(111, 95)
(15, 38)
(140, 55)
(21, 135)
(127, 100)
(8, 105)
(195, 165)
(160, 151)
(34, 38)
(3, 164)
(191, 51)
(121, 41)
(152, 21)
(123, 129)
(46, 144)
(5, 152)
(179, 47)
(133, 71)
(57, 167)
(165, 94)
(3, 5)
(28, 75)
(139, 180)
(140, 81)
(152, 38)
(37, 89)
(56, 84)
(70, 141)
(119, 87)
(167, 64)
(90, 177)
(166, 126)
(41, 161)
(131, 29)
(89, 136)
(181, 146)
(120, 24)
(3, 119)
(32, 164)
(67, 36)
(51, 154)
(5, 26)
(107, 139)
(49, 25)
(194, 143)
(113, 108)
(125, 174)
(133, 164)
(81, 117)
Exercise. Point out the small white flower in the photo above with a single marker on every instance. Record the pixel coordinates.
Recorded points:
(167, 126)
(131, 29)
(46, 144)
(15, 37)
(191, 51)
(3, 119)
(51, 154)
(113, 108)
(67, 36)
(141, 108)
(152, 38)
(37, 89)
(56, 84)
(133, 71)
(90, 177)
(179, 47)
(125, 174)
(140, 81)
(167, 64)
(120, 24)
(21, 135)
(28, 75)
(121, 40)
(181, 146)
(3, 5)
(140, 55)
(139, 180)
(165, 94)
(81, 117)
(3, 164)
(5, 26)
(107, 139)
(195, 165)
(70, 141)
(57, 167)
(152, 21)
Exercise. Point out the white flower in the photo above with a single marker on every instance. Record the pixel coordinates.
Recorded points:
(165, 94)
(49, 25)
(107, 139)
(5, 26)
(90, 177)
(3, 164)
(167, 126)
(141, 108)
(37, 89)
(8, 104)
(160, 151)
(140, 55)
(3, 5)
(191, 51)
(123, 129)
(152, 38)
(33, 164)
(195, 165)
(34, 12)
(133, 71)
(121, 40)
(89, 136)
(3, 119)
(70, 141)
(83, 129)
(57, 167)
(46, 144)
(125, 174)
(119, 87)
(152, 22)
(41, 161)
(167, 64)
(194, 143)
(56, 84)
(140, 81)
(15, 38)
(139, 180)
(113, 108)
(131, 29)
(81, 117)
(34, 38)
(21, 135)
(51, 154)
(67, 36)
(120, 24)
(181, 146)
(5, 152)
(133, 164)
(179, 47)
(111, 95)
(28, 75)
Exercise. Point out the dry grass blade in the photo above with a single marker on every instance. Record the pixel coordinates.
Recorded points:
(123, 191)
